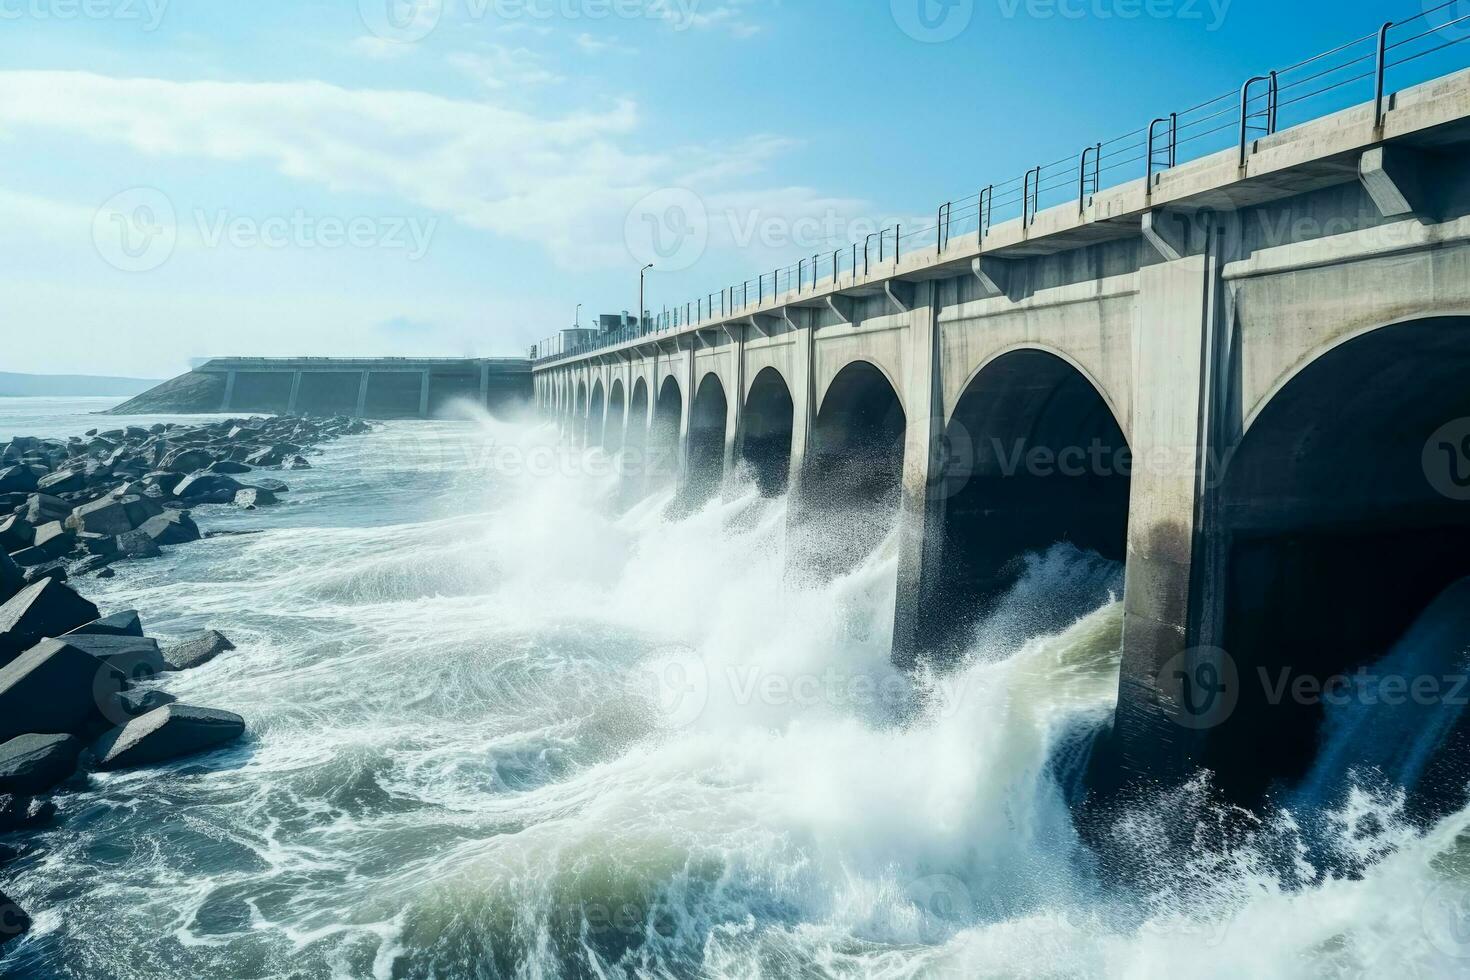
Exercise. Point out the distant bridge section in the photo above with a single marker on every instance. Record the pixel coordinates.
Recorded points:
(372, 387)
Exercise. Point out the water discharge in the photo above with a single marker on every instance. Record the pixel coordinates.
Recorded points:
(503, 726)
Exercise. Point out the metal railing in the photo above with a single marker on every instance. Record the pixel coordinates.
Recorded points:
(1307, 90)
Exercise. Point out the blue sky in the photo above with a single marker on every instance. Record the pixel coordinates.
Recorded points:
(181, 178)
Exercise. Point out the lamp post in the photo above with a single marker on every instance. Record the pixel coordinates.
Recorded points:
(641, 273)
(578, 318)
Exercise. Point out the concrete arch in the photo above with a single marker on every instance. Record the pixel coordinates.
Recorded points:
(1113, 404)
(1344, 515)
(617, 417)
(709, 414)
(852, 477)
(766, 431)
(888, 375)
(664, 433)
(1033, 456)
(597, 413)
(579, 413)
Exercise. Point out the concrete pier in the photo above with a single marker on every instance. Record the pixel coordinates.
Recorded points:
(1241, 379)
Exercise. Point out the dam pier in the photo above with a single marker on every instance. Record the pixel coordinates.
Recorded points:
(1246, 377)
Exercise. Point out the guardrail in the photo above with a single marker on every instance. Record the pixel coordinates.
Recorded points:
(1299, 93)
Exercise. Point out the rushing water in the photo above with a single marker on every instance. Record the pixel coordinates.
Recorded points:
(501, 727)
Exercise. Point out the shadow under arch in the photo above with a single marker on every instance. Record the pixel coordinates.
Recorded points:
(766, 431)
(707, 424)
(853, 475)
(579, 414)
(1033, 457)
(596, 414)
(1343, 514)
(617, 414)
(663, 434)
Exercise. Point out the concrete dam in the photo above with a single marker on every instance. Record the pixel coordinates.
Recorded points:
(374, 388)
(1247, 377)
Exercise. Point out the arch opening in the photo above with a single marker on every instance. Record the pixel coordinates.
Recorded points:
(637, 439)
(854, 470)
(1342, 553)
(1033, 457)
(663, 435)
(578, 427)
(766, 429)
(617, 413)
(596, 414)
(707, 423)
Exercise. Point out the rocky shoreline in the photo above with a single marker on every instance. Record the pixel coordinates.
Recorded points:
(79, 690)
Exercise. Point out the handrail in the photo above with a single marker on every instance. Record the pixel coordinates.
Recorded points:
(1166, 142)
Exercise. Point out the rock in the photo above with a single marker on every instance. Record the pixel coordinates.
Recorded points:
(185, 460)
(135, 704)
(12, 580)
(252, 497)
(226, 466)
(171, 527)
(14, 922)
(164, 734)
(62, 481)
(31, 557)
(53, 539)
(197, 651)
(43, 609)
(56, 571)
(136, 657)
(32, 764)
(15, 534)
(18, 479)
(95, 563)
(106, 573)
(53, 687)
(109, 516)
(125, 623)
(137, 544)
(163, 480)
(298, 463)
(208, 488)
(24, 813)
(270, 456)
(42, 508)
(274, 486)
(97, 544)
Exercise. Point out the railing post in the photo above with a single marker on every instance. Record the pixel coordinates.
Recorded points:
(1379, 75)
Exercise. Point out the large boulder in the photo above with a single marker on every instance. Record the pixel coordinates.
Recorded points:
(114, 516)
(32, 764)
(197, 651)
(53, 539)
(171, 527)
(14, 922)
(53, 687)
(137, 657)
(15, 534)
(42, 508)
(164, 734)
(185, 460)
(125, 623)
(227, 466)
(12, 579)
(62, 481)
(253, 497)
(20, 478)
(45, 608)
(277, 487)
(137, 544)
(134, 704)
(207, 488)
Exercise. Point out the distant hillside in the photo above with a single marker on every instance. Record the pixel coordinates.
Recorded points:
(78, 385)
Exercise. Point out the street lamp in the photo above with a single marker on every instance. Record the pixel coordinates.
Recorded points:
(641, 272)
(578, 318)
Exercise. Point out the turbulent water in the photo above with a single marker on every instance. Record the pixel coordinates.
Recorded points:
(502, 726)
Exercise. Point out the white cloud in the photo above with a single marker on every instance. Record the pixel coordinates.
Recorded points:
(566, 183)
(592, 45)
(498, 67)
